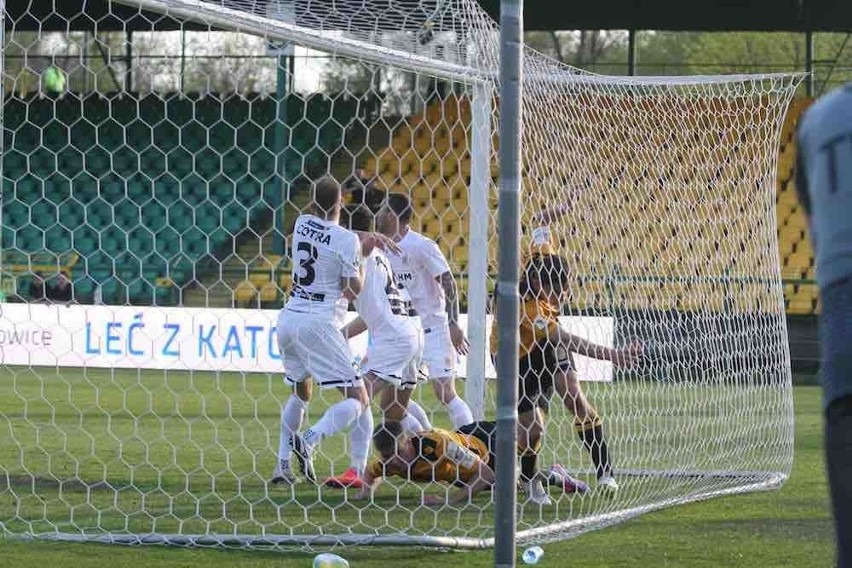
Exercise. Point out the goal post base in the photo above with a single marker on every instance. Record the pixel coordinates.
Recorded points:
(762, 481)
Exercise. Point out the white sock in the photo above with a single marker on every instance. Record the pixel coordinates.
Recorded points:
(292, 414)
(410, 425)
(335, 419)
(460, 413)
(359, 438)
(416, 411)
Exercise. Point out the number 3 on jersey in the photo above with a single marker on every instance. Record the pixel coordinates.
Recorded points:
(306, 255)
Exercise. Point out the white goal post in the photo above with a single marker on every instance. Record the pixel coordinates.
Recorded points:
(157, 184)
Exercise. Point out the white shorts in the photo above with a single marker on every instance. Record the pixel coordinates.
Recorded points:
(439, 355)
(313, 347)
(395, 359)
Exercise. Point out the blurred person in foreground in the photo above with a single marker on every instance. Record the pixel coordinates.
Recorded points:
(824, 184)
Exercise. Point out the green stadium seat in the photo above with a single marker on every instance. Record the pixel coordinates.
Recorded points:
(7, 237)
(180, 216)
(110, 291)
(15, 214)
(84, 289)
(43, 214)
(219, 237)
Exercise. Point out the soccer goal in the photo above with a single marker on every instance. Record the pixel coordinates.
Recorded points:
(155, 154)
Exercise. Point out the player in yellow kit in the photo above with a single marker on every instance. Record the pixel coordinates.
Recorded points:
(545, 363)
(463, 458)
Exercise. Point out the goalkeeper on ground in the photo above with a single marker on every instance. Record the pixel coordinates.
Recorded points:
(546, 363)
(464, 458)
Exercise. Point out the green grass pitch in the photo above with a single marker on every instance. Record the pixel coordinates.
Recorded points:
(150, 417)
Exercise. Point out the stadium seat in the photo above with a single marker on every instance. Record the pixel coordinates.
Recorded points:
(245, 292)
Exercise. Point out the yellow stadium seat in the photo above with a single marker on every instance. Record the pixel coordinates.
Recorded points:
(245, 292)
(269, 292)
(258, 279)
(800, 306)
(799, 261)
(432, 228)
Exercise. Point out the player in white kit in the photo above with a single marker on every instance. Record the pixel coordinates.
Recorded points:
(391, 366)
(326, 275)
(423, 271)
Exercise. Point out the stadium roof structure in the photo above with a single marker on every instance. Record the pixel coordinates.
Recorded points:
(675, 15)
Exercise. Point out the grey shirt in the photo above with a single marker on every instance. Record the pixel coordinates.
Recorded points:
(824, 182)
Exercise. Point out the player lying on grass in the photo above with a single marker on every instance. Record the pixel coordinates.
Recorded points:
(464, 458)
(545, 364)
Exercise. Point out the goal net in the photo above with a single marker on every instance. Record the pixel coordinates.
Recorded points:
(155, 156)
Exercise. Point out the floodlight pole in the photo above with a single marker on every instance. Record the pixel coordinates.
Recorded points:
(509, 227)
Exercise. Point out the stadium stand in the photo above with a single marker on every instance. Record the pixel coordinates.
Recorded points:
(130, 194)
(133, 207)
(428, 158)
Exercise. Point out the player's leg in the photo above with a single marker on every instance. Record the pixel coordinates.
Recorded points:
(386, 359)
(394, 402)
(588, 424)
(416, 419)
(359, 439)
(330, 367)
(838, 453)
(439, 356)
(836, 335)
(530, 438)
(293, 410)
(292, 415)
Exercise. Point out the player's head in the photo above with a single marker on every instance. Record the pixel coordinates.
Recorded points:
(394, 215)
(395, 449)
(546, 277)
(327, 197)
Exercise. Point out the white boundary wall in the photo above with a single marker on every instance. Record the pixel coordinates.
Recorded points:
(197, 339)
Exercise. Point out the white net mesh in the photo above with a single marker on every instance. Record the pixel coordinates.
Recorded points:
(162, 186)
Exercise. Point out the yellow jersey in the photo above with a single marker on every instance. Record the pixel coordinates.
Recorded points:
(538, 316)
(441, 456)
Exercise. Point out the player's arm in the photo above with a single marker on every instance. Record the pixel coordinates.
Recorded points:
(371, 479)
(482, 478)
(432, 259)
(623, 357)
(370, 240)
(351, 278)
(354, 327)
(451, 291)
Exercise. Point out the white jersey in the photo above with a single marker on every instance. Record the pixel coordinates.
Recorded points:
(323, 253)
(384, 307)
(417, 271)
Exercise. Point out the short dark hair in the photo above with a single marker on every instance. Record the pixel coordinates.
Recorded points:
(358, 219)
(386, 438)
(549, 270)
(400, 204)
(327, 194)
